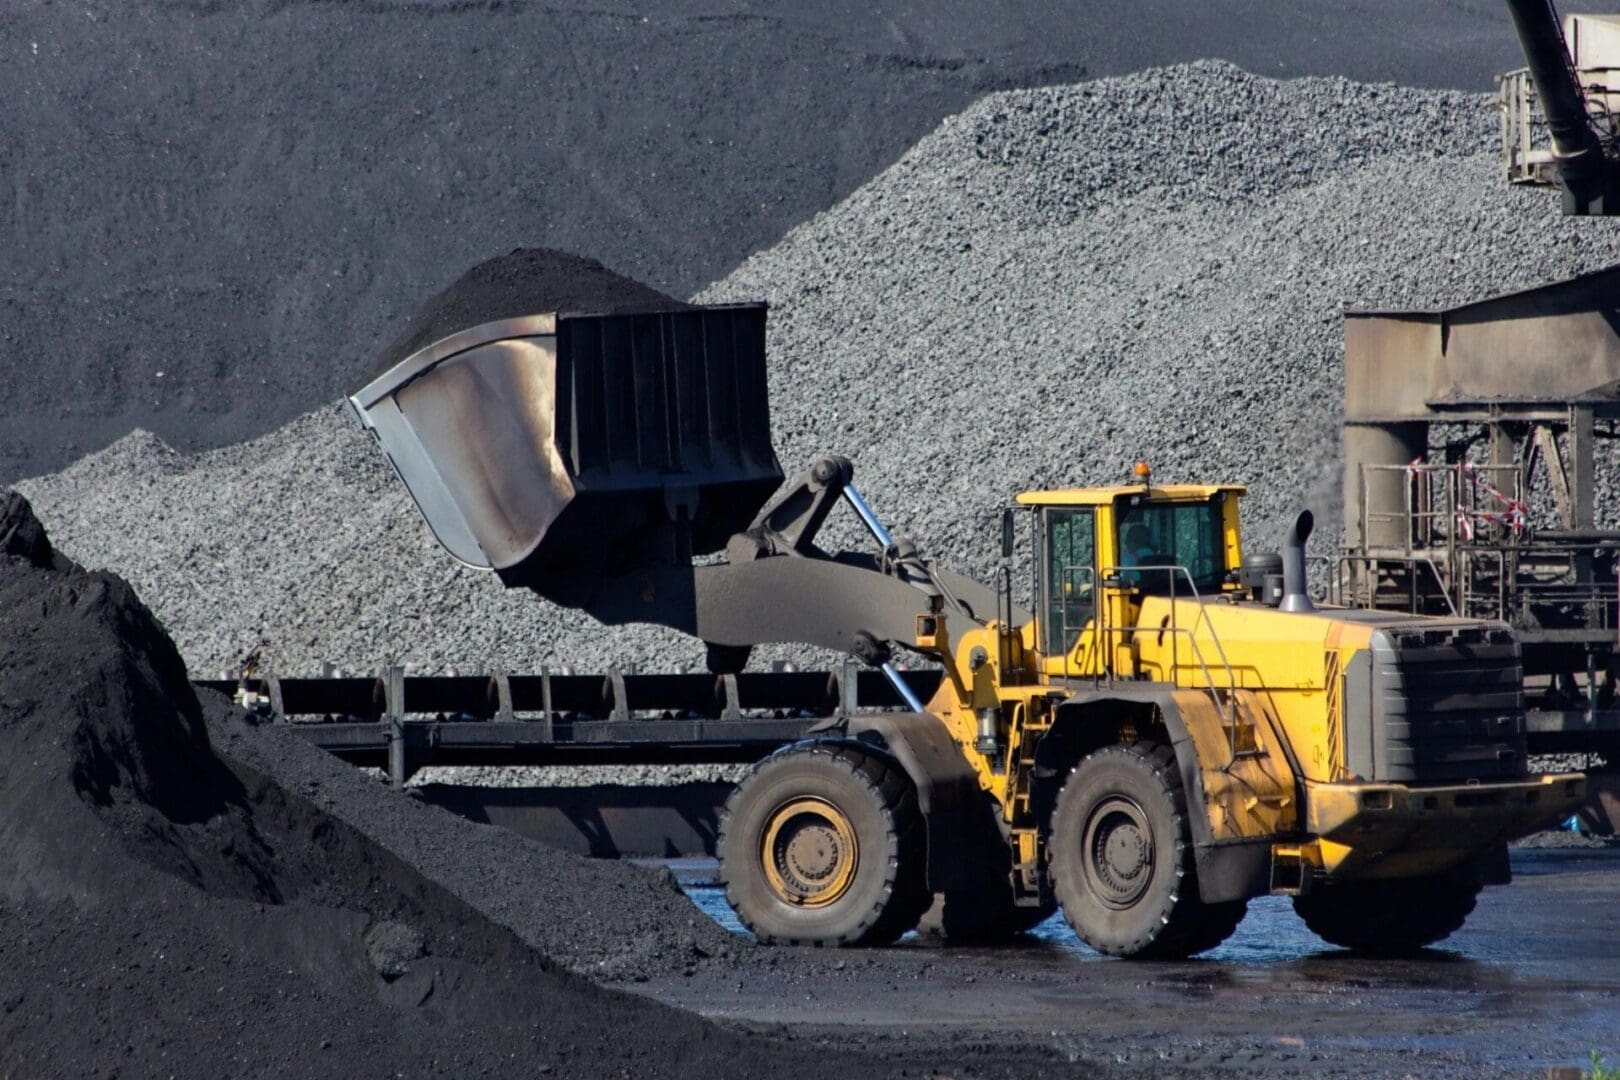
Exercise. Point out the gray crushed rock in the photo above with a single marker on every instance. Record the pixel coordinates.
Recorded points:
(1057, 283)
(1561, 763)
(580, 775)
(1565, 841)
(1050, 286)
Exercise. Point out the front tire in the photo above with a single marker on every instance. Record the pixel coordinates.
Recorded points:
(824, 844)
(1121, 858)
(1387, 918)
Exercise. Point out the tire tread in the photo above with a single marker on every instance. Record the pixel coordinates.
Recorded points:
(904, 897)
(1388, 918)
(1190, 926)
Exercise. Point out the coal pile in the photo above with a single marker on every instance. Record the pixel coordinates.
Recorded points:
(165, 910)
(218, 213)
(524, 281)
(613, 921)
(1049, 287)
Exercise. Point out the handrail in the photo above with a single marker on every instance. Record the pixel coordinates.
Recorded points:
(1105, 633)
(1227, 709)
(1411, 559)
(1439, 503)
(1467, 586)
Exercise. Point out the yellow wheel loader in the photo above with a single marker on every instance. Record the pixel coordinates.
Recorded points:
(1171, 729)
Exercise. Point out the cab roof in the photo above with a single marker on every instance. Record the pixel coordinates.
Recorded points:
(1098, 496)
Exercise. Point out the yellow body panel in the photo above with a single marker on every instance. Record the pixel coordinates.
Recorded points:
(1249, 789)
(1283, 658)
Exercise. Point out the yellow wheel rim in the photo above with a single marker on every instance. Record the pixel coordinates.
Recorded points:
(809, 852)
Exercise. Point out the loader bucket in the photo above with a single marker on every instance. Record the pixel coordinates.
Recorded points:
(557, 449)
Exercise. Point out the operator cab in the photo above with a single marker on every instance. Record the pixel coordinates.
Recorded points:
(1132, 540)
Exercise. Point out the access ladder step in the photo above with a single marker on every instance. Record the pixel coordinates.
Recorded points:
(1290, 869)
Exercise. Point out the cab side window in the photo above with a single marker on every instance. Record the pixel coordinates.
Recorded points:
(1071, 576)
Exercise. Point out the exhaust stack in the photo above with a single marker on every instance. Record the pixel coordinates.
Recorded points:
(1296, 595)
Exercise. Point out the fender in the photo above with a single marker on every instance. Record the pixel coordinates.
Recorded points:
(1229, 868)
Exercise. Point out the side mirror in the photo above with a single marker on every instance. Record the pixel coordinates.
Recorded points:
(1006, 533)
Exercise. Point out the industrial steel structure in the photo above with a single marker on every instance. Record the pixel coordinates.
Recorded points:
(1473, 437)
(1561, 112)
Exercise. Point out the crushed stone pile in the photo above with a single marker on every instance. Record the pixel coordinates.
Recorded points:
(1565, 841)
(1057, 283)
(1050, 286)
(216, 212)
(177, 909)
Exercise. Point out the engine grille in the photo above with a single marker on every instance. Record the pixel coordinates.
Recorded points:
(1447, 705)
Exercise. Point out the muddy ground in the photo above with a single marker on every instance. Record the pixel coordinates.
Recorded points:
(1531, 982)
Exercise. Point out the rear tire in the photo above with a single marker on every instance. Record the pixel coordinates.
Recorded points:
(1121, 858)
(823, 844)
(1387, 918)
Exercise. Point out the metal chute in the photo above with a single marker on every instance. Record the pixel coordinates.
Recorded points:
(1589, 175)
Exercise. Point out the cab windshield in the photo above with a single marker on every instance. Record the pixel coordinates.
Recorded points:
(1188, 535)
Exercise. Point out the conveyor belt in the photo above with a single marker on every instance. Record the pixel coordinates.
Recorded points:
(403, 723)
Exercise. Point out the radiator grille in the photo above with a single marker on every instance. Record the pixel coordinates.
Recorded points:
(1448, 704)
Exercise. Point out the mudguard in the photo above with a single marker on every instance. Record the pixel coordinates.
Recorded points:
(1232, 864)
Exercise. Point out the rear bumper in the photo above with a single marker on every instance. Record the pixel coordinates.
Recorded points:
(1393, 830)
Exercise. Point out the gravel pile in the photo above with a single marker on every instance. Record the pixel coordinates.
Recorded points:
(1052, 285)
(1057, 283)
(216, 213)
(580, 775)
(306, 541)
(1565, 841)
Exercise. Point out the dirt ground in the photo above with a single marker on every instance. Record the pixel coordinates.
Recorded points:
(1532, 981)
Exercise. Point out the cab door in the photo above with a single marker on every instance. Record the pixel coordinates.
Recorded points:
(1067, 587)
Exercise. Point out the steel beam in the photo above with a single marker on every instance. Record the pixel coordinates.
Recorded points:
(571, 742)
(1573, 731)
(605, 821)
